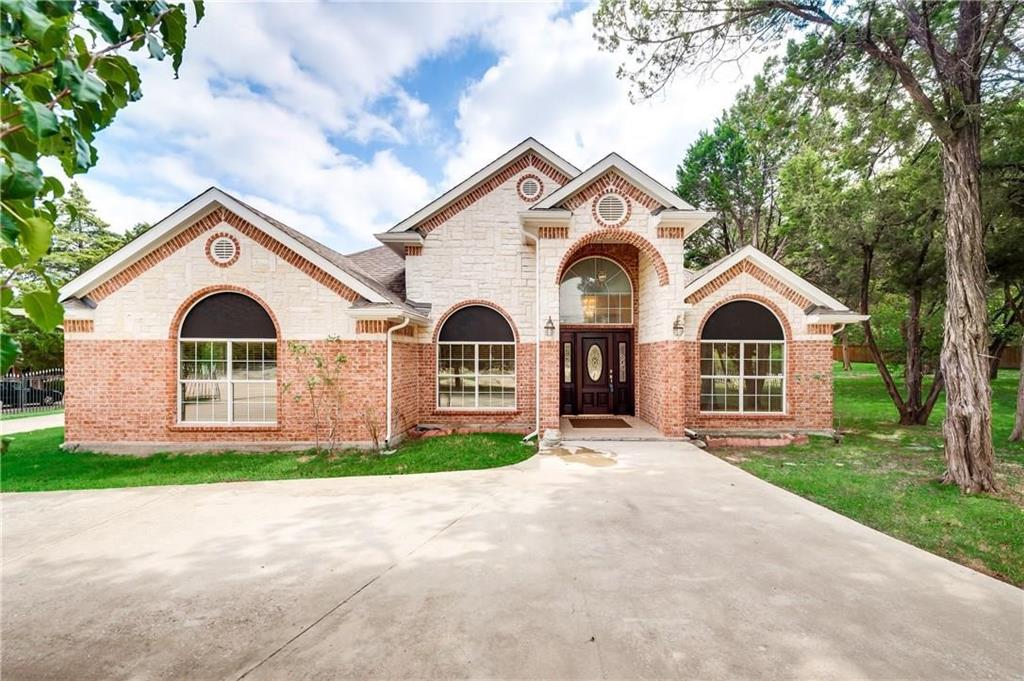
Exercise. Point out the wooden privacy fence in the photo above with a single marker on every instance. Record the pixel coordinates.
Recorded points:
(1010, 358)
(32, 391)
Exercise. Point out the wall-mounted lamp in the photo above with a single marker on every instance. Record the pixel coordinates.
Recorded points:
(677, 326)
(549, 328)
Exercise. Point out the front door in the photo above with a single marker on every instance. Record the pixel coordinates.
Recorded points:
(597, 372)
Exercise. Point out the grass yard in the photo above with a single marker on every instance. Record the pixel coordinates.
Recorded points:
(886, 476)
(35, 462)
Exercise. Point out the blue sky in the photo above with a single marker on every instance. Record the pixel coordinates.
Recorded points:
(340, 119)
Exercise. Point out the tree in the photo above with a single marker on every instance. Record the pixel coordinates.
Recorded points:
(942, 53)
(62, 81)
(733, 170)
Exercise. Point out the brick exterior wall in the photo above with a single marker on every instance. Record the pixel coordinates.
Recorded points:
(123, 392)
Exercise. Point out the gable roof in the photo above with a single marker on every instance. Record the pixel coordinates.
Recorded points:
(330, 261)
(822, 307)
(630, 172)
(479, 177)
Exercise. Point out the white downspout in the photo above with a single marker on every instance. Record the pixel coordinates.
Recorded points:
(388, 434)
(536, 329)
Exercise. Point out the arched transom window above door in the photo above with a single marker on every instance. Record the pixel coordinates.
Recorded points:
(743, 360)
(595, 291)
(227, 362)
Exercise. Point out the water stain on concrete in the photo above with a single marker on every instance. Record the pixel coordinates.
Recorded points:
(583, 455)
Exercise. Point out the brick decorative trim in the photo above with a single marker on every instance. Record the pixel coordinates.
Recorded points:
(753, 270)
(468, 303)
(611, 182)
(783, 320)
(553, 233)
(158, 254)
(204, 224)
(535, 197)
(79, 326)
(597, 216)
(209, 251)
(671, 232)
(183, 309)
(527, 160)
(820, 329)
(413, 250)
(382, 326)
(621, 236)
(371, 325)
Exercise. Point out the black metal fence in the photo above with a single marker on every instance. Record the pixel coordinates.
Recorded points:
(32, 391)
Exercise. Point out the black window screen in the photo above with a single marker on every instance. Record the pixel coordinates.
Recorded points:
(476, 324)
(228, 315)
(742, 320)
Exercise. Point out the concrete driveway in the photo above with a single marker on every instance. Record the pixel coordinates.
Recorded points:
(655, 560)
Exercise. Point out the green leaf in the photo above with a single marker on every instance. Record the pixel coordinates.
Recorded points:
(6, 296)
(35, 237)
(84, 158)
(40, 121)
(172, 28)
(11, 257)
(156, 50)
(9, 349)
(200, 8)
(43, 309)
(34, 23)
(85, 87)
(22, 180)
(102, 23)
(9, 229)
(12, 60)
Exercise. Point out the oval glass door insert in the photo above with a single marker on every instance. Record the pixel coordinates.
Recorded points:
(595, 363)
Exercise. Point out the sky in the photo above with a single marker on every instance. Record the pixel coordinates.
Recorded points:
(342, 119)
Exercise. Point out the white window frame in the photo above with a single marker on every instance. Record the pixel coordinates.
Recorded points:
(742, 375)
(625, 273)
(476, 375)
(179, 418)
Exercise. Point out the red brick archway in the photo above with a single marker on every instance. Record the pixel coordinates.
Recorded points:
(753, 297)
(469, 303)
(210, 290)
(619, 236)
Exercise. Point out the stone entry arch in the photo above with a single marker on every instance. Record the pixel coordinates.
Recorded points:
(619, 236)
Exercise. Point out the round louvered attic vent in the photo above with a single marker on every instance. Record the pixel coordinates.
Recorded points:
(530, 188)
(222, 249)
(611, 209)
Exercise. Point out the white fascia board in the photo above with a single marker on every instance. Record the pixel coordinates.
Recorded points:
(838, 318)
(553, 216)
(411, 237)
(799, 284)
(628, 170)
(686, 216)
(479, 176)
(386, 313)
(167, 228)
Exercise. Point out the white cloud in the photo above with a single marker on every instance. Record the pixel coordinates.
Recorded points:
(552, 83)
(273, 99)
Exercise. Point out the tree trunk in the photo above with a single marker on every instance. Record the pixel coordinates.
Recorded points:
(846, 351)
(913, 371)
(1018, 422)
(968, 424)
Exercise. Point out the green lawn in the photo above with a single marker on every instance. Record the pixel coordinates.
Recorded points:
(886, 476)
(35, 462)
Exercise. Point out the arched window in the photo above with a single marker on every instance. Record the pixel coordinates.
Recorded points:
(743, 360)
(476, 361)
(227, 362)
(595, 291)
